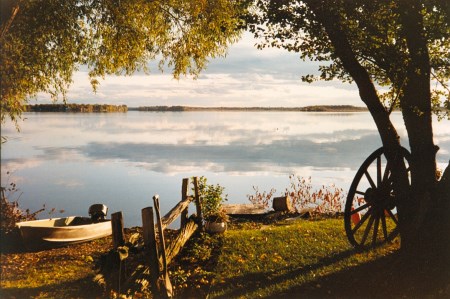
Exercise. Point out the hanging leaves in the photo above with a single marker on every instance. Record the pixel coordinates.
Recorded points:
(48, 40)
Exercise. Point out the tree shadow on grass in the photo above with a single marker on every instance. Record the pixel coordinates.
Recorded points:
(80, 288)
(387, 277)
(391, 276)
(242, 285)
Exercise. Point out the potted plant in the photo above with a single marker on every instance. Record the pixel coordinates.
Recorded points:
(212, 198)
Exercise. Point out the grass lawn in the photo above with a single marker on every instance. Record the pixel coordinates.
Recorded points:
(313, 259)
(285, 259)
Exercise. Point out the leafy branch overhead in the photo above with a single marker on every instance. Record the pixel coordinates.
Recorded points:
(376, 34)
(398, 55)
(44, 42)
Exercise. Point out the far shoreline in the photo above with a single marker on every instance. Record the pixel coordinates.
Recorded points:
(106, 108)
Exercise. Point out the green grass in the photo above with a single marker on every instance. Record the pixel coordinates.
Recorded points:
(289, 258)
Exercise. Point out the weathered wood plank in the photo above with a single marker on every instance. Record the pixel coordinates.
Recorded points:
(184, 196)
(166, 285)
(244, 209)
(148, 227)
(177, 244)
(117, 229)
(198, 203)
(175, 212)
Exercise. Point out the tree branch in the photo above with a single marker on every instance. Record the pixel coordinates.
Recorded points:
(333, 26)
(8, 23)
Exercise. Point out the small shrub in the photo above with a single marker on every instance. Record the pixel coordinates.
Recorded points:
(212, 198)
(263, 198)
(11, 213)
(326, 200)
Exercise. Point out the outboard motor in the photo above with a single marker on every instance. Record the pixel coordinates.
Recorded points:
(98, 212)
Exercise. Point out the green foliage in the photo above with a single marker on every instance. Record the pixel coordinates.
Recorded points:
(212, 198)
(76, 108)
(201, 250)
(115, 266)
(192, 271)
(377, 36)
(46, 41)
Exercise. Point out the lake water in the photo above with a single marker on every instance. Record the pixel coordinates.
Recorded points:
(69, 161)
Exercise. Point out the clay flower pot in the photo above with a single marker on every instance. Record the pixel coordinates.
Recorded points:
(215, 227)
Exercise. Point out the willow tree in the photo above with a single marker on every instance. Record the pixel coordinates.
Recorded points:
(393, 51)
(44, 41)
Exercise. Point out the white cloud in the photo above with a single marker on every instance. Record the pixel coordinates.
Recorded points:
(245, 77)
(245, 89)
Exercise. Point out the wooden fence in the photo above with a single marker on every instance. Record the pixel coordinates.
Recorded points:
(153, 225)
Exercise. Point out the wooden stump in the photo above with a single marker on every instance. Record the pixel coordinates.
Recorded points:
(282, 203)
(117, 229)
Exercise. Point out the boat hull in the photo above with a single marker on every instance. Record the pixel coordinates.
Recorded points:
(57, 232)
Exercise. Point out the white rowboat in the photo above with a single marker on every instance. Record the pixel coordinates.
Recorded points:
(57, 232)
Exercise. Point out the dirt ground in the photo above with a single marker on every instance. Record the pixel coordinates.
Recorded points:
(66, 272)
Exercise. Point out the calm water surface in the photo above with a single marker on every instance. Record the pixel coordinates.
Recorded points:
(69, 161)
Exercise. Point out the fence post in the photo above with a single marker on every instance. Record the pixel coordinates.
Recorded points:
(148, 231)
(117, 229)
(184, 195)
(198, 204)
(168, 291)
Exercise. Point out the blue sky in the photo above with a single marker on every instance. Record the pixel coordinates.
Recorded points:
(245, 77)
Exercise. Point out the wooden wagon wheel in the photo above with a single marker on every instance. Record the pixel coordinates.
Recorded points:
(370, 214)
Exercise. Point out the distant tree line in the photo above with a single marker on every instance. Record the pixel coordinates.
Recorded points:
(76, 108)
(322, 108)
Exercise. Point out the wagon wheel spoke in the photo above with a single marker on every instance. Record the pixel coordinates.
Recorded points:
(383, 225)
(393, 217)
(375, 230)
(387, 172)
(369, 178)
(367, 231)
(361, 222)
(379, 171)
(359, 209)
(393, 234)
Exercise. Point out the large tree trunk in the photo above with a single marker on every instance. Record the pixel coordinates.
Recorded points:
(420, 213)
(389, 137)
(421, 216)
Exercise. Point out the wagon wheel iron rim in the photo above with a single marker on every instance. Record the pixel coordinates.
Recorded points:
(370, 214)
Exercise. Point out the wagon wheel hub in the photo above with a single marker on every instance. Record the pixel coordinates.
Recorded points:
(380, 198)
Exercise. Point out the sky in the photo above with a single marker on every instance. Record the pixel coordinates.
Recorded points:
(245, 77)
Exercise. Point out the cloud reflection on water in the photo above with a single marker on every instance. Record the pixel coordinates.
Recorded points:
(69, 161)
(237, 142)
(238, 157)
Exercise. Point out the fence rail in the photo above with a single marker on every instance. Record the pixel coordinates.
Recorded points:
(161, 254)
